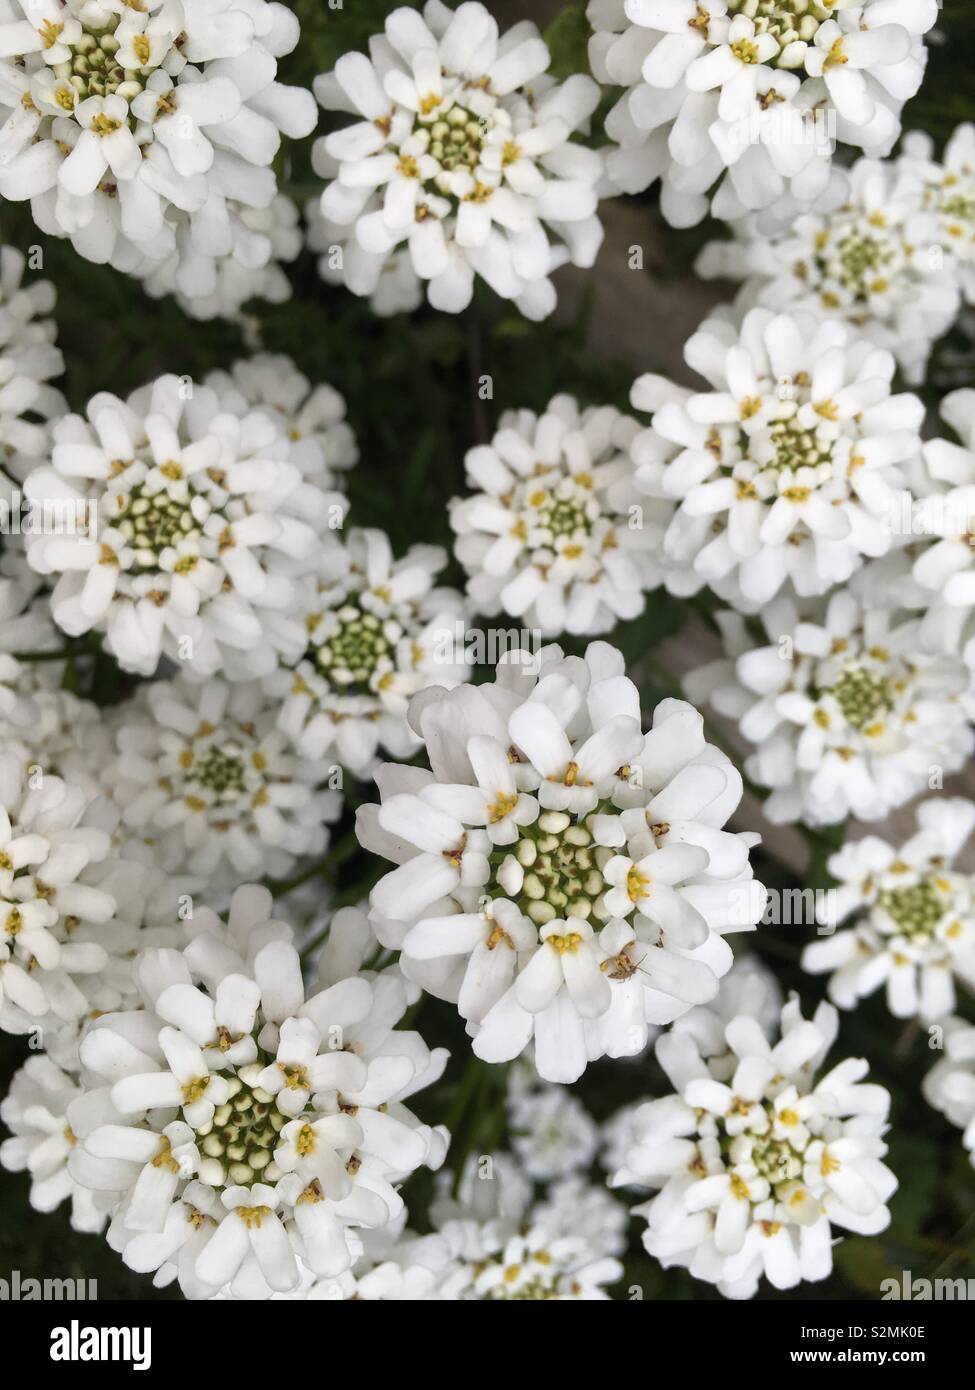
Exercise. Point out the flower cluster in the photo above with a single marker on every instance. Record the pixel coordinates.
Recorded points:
(847, 714)
(562, 874)
(915, 917)
(237, 1127)
(789, 468)
(146, 133)
(877, 263)
(194, 521)
(557, 534)
(737, 105)
(460, 155)
(209, 652)
(756, 1167)
(377, 631)
(201, 773)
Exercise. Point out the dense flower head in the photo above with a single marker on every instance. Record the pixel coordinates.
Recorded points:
(377, 630)
(914, 917)
(196, 522)
(848, 716)
(461, 154)
(29, 360)
(556, 533)
(50, 838)
(789, 468)
(202, 775)
(876, 263)
(947, 187)
(562, 874)
(237, 1125)
(756, 1168)
(739, 104)
(143, 133)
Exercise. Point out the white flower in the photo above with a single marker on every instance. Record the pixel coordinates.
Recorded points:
(34, 1110)
(745, 99)
(749, 988)
(48, 839)
(950, 1084)
(377, 631)
(25, 629)
(945, 567)
(392, 286)
(874, 263)
(914, 916)
(200, 518)
(65, 736)
(323, 444)
(218, 284)
(544, 801)
(242, 1124)
(788, 467)
(461, 154)
(509, 1247)
(555, 533)
(557, 1249)
(552, 1132)
(754, 1172)
(144, 133)
(846, 713)
(29, 360)
(948, 189)
(202, 774)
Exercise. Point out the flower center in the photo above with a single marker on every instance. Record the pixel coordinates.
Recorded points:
(796, 447)
(94, 68)
(244, 1132)
(862, 694)
(860, 262)
(153, 522)
(563, 869)
(776, 1159)
(218, 770)
(457, 138)
(355, 650)
(917, 908)
(788, 21)
(559, 514)
(955, 203)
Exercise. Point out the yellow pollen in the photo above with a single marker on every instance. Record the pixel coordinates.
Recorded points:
(502, 806)
(637, 885)
(252, 1216)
